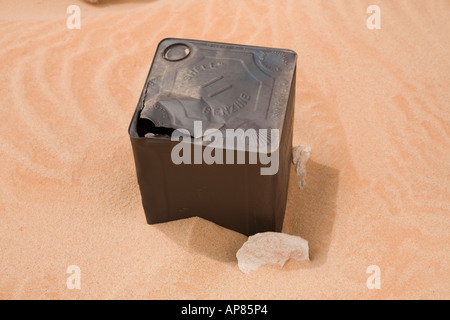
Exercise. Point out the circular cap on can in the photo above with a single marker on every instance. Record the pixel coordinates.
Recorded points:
(176, 52)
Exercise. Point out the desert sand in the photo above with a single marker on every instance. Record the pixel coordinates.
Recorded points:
(374, 106)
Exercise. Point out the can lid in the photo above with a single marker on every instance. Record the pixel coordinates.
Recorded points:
(224, 86)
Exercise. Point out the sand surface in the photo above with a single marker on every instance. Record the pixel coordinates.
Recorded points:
(374, 105)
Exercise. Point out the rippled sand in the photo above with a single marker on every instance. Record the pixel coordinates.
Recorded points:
(374, 105)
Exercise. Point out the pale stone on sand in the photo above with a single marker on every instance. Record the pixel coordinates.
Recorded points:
(271, 248)
(300, 156)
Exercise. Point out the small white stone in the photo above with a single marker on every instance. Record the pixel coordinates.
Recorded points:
(271, 248)
(300, 156)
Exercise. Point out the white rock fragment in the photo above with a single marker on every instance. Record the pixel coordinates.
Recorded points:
(271, 248)
(300, 156)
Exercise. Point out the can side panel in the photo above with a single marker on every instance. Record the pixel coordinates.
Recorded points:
(151, 179)
(234, 196)
(261, 198)
(282, 182)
